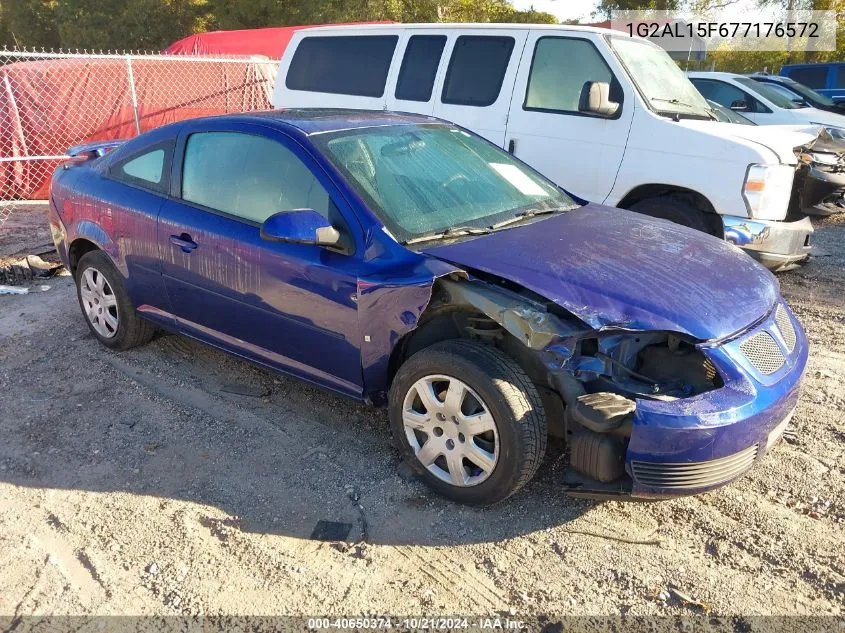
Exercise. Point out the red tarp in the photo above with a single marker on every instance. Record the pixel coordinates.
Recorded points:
(270, 42)
(49, 105)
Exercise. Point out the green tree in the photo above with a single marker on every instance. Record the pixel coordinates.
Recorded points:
(30, 23)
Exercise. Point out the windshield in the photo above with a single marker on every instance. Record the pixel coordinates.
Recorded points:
(430, 179)
(769, 93)
(804, 91)
(659, 79)
(726, 115)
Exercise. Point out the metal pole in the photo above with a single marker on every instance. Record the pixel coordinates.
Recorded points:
(133, 95)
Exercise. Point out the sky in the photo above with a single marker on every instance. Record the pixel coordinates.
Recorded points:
(562, 9)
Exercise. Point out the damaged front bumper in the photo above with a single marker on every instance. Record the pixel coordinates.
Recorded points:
(777, 245)
(695, 444)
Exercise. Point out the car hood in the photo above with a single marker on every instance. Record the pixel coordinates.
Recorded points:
(781, 139)
(616, 268)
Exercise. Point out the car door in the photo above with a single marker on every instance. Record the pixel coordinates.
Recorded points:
(476, 90)
(578, 151)
(291, 306)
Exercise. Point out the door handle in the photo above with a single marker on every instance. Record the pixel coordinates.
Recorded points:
(184, 242)
(511, 146)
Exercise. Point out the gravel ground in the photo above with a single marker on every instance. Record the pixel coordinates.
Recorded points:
(135, 483)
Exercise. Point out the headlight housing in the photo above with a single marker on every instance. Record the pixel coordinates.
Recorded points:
(767, 191)
(836, 132)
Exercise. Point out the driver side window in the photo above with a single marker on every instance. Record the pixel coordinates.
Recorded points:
(727, 94)
(247, 176)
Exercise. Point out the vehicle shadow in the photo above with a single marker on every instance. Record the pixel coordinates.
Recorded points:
(161, 421)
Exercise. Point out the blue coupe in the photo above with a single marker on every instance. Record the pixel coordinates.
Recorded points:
(405, 261)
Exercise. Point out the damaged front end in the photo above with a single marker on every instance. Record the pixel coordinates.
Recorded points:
(820, 176)
(646, 414)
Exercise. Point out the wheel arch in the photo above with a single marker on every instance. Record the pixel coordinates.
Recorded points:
(695, 199)
(79, 247)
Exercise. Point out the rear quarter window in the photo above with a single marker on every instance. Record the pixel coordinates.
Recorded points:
(148, 168)
(349, 65)
(477, 70)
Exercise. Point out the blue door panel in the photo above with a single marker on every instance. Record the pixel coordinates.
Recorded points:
(290, 306)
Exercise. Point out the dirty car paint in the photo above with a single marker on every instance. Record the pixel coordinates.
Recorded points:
(613, 268)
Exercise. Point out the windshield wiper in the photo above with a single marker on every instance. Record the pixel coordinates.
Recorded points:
(675, 102)
(452, 231)
(531, 213)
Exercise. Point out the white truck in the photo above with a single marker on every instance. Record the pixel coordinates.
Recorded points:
(608, 117)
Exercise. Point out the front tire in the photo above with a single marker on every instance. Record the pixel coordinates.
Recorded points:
(468, 420)
(106, 306)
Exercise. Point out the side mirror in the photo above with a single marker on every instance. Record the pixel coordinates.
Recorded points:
(300, 226)
(595, 99)
(739, 106)
(799, 101)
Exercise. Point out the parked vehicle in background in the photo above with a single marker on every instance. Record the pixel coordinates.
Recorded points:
(799, 93)
(762, 103)
(608, 117)
(826, 78)
(821, 172)
(403, 260)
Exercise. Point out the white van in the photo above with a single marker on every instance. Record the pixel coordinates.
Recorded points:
(610, 118)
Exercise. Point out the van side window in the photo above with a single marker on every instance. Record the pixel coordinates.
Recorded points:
(840, 77)
(814, 77)
(419, 67)
(348, 65)
(477, 70)
(560, 68)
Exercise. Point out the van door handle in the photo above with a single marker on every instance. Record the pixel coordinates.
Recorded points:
(184, 242)
(511, 146)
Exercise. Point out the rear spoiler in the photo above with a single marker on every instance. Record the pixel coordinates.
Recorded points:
(89, 151)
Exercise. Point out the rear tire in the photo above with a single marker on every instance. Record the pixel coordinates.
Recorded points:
(678, 209)
(105, 305)
(490, 444)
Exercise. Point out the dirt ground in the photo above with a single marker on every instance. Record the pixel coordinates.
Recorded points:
(136, 483)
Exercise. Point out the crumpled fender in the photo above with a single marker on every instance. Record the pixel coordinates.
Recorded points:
(389, 306)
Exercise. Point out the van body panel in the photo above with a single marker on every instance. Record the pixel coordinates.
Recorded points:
(569, 145)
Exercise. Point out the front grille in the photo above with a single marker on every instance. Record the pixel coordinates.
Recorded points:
(763, 353)
(787, 330)
(693, 474)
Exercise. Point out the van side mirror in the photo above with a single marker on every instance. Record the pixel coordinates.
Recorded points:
(595, 99)
(300, 226)
(739, 106)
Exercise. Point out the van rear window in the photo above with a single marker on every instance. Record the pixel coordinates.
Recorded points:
(349, 65)
(477, 70)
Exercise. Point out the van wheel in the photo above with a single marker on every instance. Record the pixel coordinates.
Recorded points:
(468, 420)
(106, 306)
(678, 209)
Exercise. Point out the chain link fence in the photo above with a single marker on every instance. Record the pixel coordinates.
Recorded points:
(51, 101)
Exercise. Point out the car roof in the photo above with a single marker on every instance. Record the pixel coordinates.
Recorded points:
(463, 26)
(700, 74)
(320, 120)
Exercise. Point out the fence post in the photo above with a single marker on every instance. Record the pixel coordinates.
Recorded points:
(133, 94)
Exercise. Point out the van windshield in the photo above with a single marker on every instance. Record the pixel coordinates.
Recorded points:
(661, 82)
(430, 181)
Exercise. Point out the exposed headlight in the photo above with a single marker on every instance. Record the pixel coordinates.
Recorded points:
(767, 191)
(823, 158)
(835, 132)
